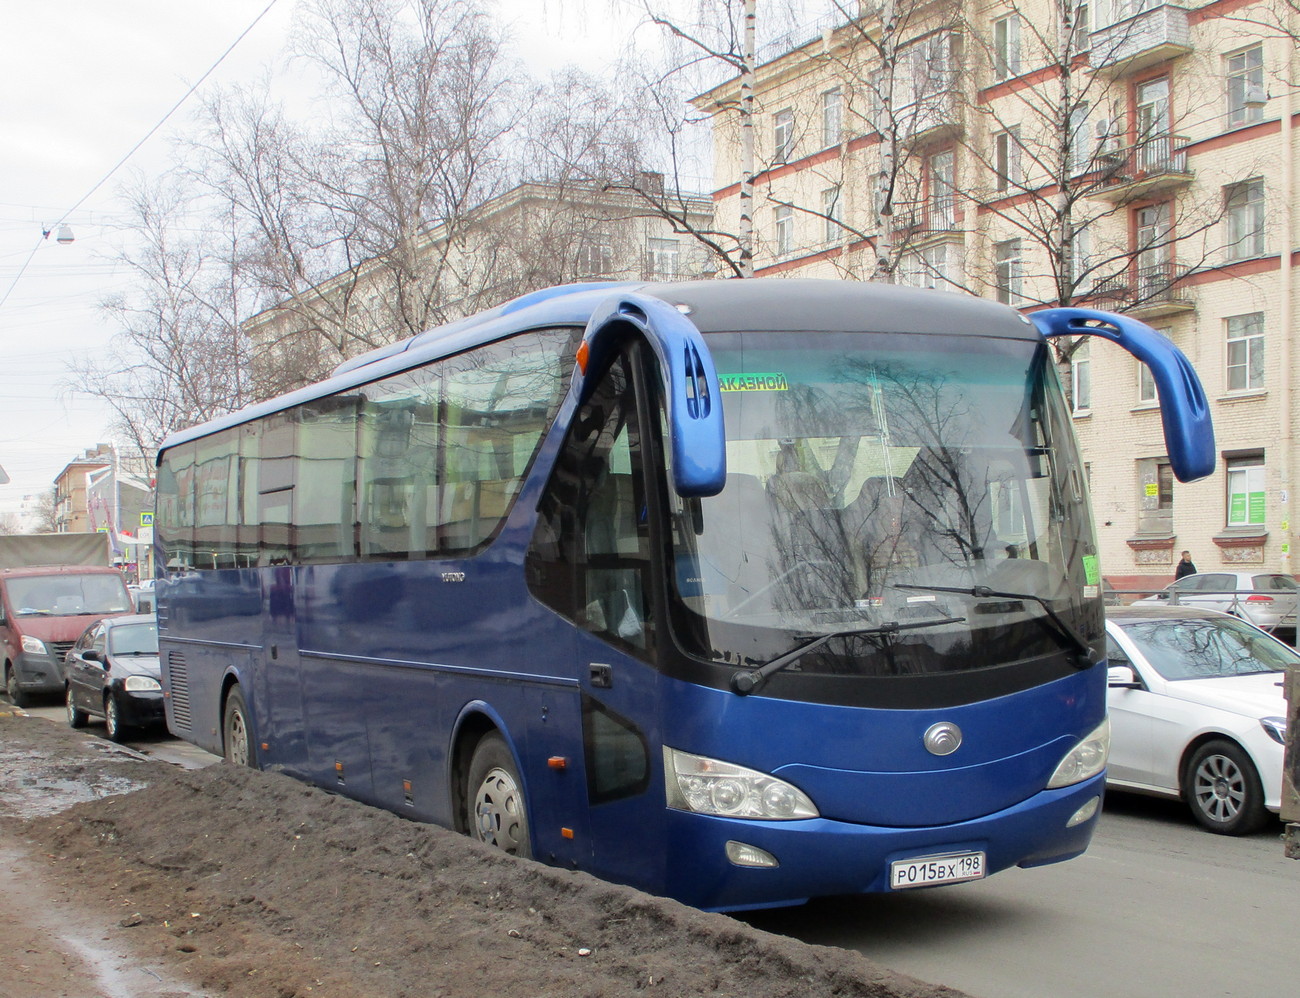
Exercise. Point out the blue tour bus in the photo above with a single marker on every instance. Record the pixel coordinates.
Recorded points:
(785, 588)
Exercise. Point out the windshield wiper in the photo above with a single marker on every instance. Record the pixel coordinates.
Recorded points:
(1084, 655)
(746, 682)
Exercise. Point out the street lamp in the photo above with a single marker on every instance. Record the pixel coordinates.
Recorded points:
(63, 236)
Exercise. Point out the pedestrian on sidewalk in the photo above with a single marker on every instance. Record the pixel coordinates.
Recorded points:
(1185, 566)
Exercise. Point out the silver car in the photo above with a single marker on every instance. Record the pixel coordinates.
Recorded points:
(1267, 599)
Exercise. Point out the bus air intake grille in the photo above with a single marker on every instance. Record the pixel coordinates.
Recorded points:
(179, 680)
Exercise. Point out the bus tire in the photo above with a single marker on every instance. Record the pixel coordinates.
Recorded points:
(1223, 789)
(237, 731)
(496, 813)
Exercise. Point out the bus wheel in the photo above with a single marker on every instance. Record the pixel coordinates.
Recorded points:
(496, 811)
(237, 731)
(1224, 791)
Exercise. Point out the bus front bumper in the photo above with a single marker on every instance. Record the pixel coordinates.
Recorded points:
(820, 858)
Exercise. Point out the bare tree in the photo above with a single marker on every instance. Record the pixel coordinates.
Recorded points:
(180, 356)
(46, 515)
(710, 58)
(352, 221)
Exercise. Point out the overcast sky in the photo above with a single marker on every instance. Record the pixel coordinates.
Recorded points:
(81, 82)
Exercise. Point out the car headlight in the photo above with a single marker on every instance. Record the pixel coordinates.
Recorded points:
(710, 786)
(1276, 728)
(1085, 760)
(33, 646)
(139, 684)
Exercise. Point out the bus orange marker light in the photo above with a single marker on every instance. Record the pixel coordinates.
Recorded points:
(558, 762)
(583, 353)
(265, 746)
(566, 833)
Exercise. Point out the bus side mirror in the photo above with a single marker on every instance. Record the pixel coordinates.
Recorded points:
(694, 398)
(1184, 409)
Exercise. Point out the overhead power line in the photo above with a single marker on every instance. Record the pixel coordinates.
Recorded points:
(134, 149)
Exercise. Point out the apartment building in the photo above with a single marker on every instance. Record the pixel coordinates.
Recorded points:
(1127, 155)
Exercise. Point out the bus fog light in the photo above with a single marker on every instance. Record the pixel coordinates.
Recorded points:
(1085, 760)
(710, 786)
(1084, 813)
(742, 854)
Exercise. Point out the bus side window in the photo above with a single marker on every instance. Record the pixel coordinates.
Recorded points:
(590, 555)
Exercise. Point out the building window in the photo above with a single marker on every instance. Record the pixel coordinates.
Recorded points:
(1245, 351)
(783, 135)
(784, 230)
(1155, 496)
(832, 117)
(1245, 72)
(1082, 143)
(1146, 383)
(1006, 158)
(1246, 491)
(1006, 47)
(932, 267)
(664, 258)
(1006, 264)
(943, 192)
(1082, 38)
(1081, 377)
(596, 255)
(1245, 219)
(832, 214)
(1155, 272)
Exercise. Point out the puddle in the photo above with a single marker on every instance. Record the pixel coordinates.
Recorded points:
(32, 786)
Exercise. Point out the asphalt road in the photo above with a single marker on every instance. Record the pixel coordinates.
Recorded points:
(157, 744)
(1156, 908)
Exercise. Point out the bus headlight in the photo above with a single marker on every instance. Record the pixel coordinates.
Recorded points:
(1085, 760)
(140, 684)
(33, 646)
(710, 786)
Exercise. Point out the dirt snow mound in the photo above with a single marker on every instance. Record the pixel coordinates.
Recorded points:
(253, 884)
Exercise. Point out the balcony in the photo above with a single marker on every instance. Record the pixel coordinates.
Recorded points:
(1149, 166)
(933, 118)
(934, 221)
(1142, 40)
(1145, 292)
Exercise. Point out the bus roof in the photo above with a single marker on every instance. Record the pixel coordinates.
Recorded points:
(758, 305)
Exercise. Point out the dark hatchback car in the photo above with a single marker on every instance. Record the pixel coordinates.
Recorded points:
(113, 672)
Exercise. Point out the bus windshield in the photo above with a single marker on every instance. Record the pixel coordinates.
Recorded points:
(866, 473)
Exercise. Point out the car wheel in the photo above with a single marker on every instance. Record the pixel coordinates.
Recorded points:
(237, 731)
(113, 719)
(16, 695)
(1223, 789)
(76, 716)
(496, 812)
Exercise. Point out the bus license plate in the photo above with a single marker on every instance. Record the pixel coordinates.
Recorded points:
(925, 871)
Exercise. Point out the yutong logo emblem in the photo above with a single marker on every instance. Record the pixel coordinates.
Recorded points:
(943, 738)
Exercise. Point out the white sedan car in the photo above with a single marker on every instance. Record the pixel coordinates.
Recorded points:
(1197, 712)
